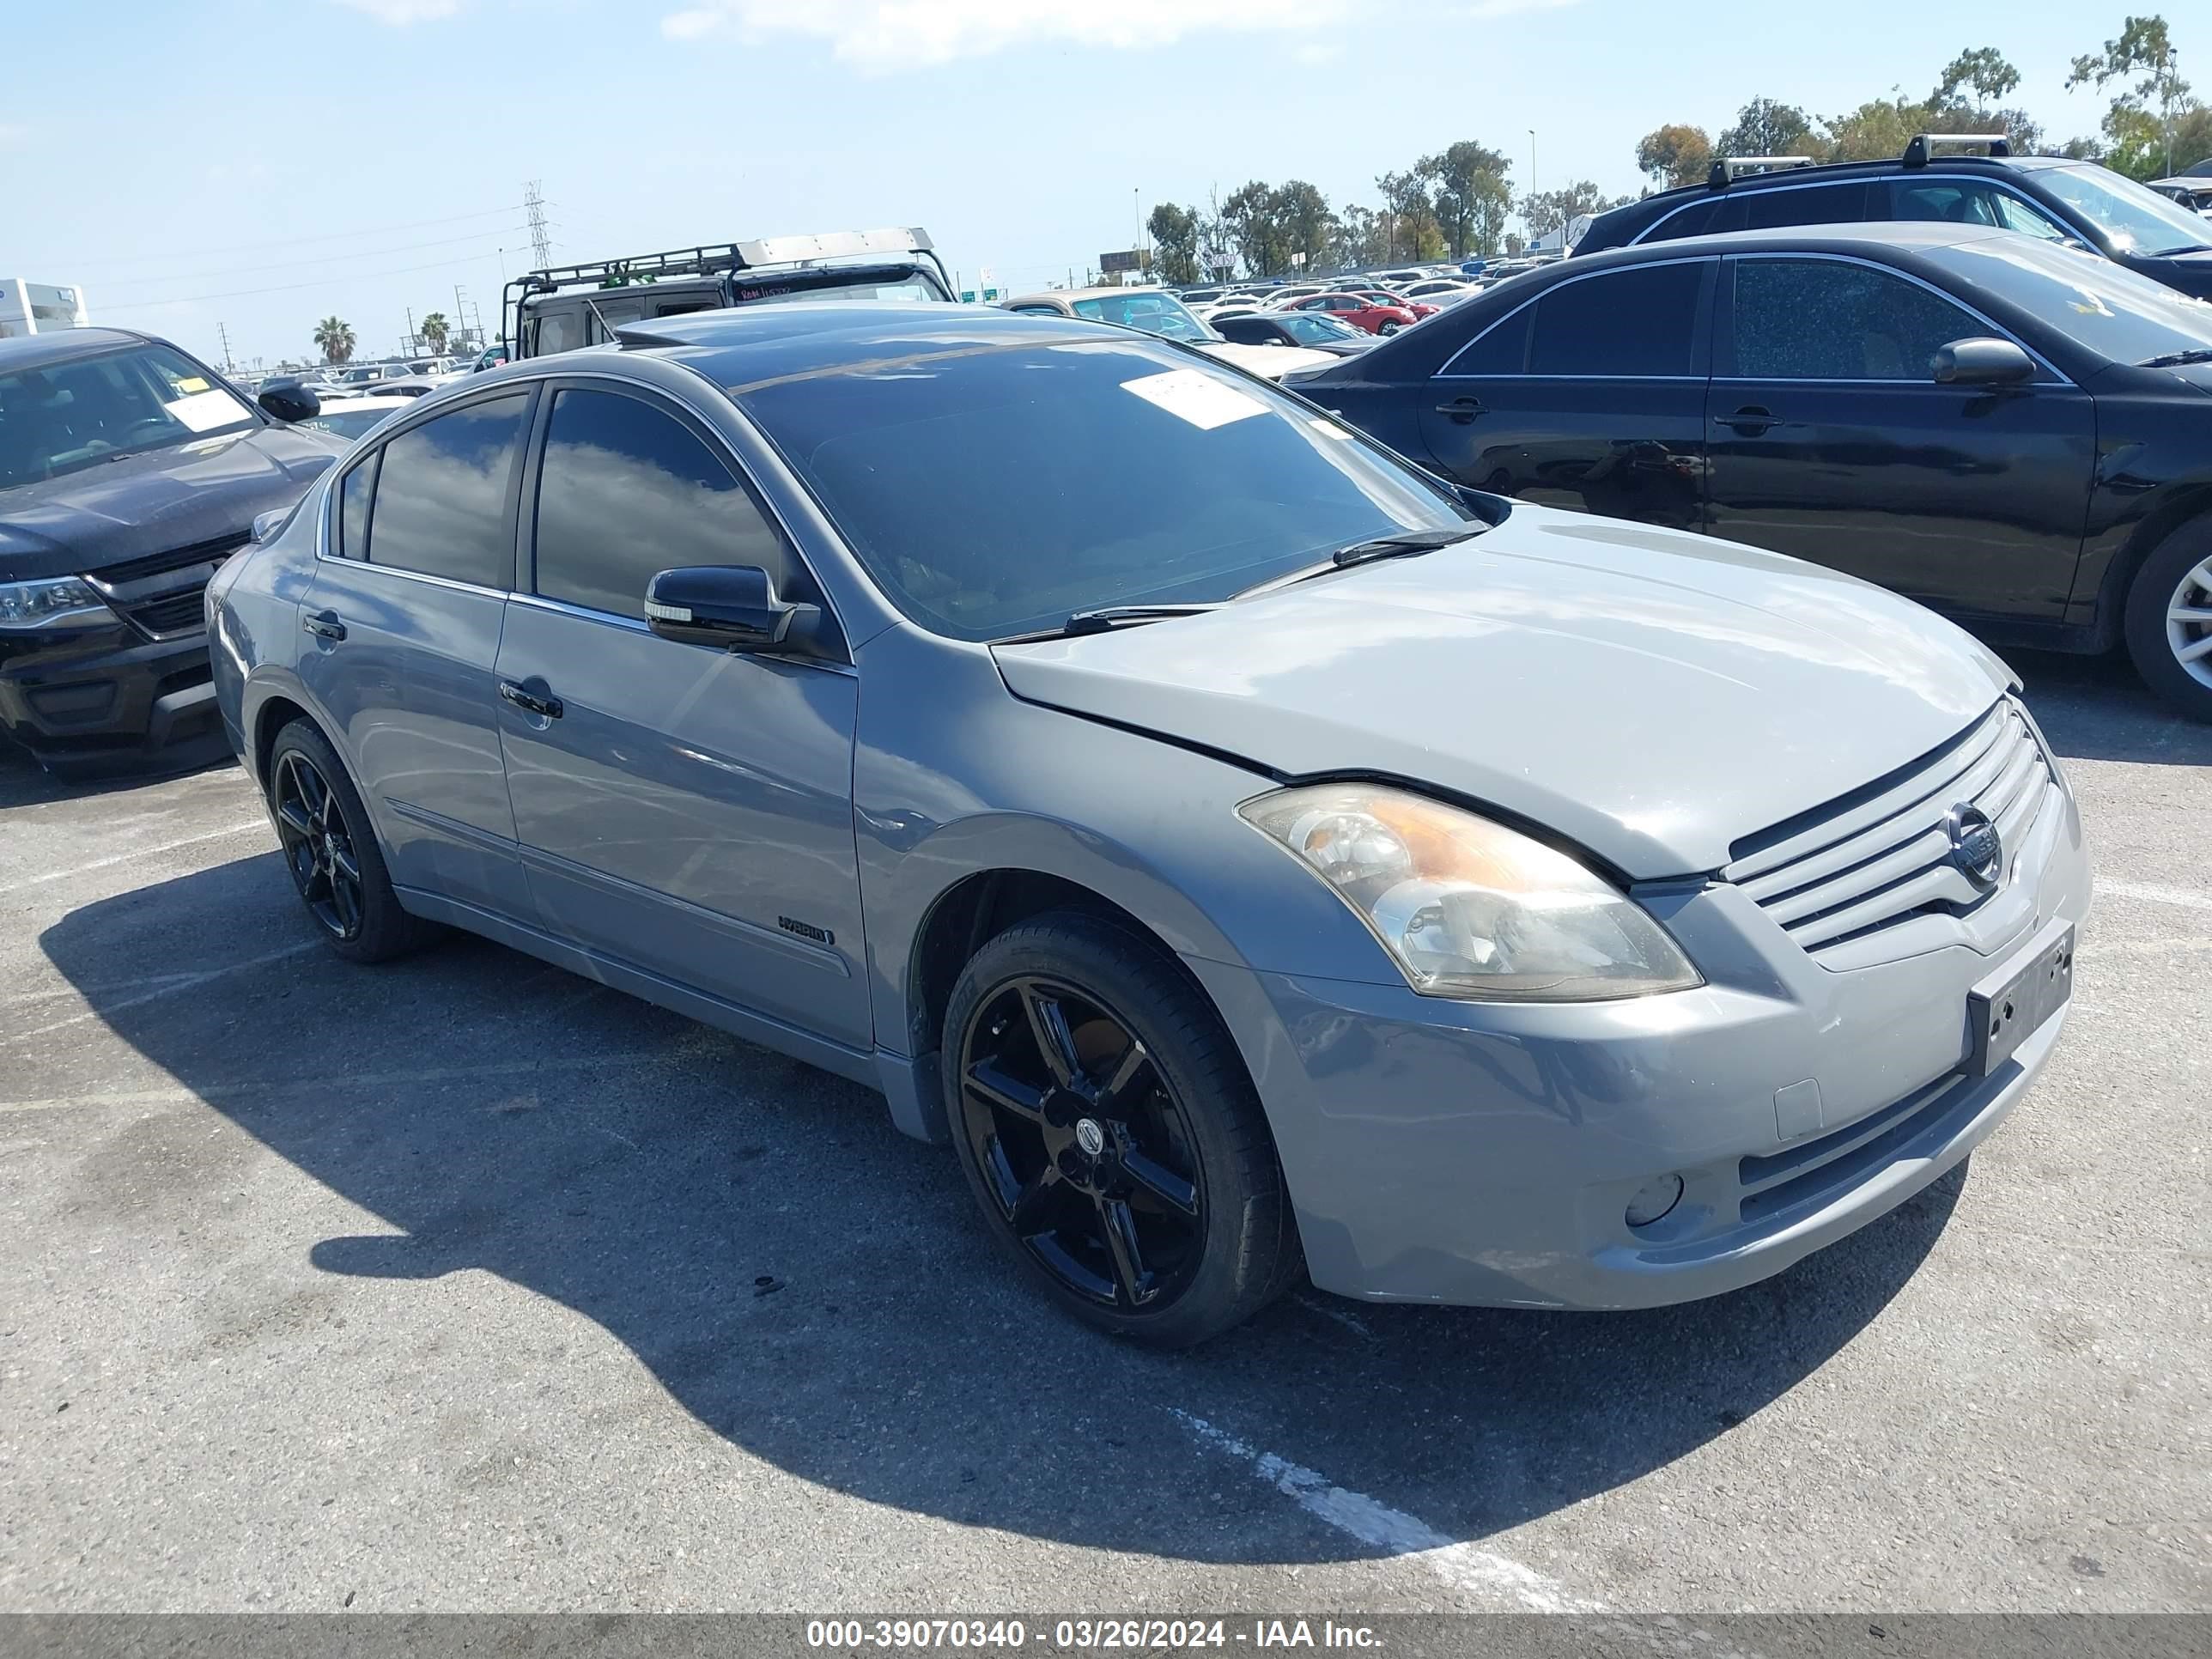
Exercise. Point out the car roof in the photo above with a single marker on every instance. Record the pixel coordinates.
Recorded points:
(748, 344)
(35, 350)
(1871, 236)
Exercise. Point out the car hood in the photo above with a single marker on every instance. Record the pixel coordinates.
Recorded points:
(1268, 362)
(1652, 695)
(163, 499)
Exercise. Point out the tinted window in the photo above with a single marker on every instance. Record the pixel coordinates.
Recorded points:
(1944, 201)
(627, 491)
(557, 331)
(1246, 331)
(994, 489)
(353, 509)
(1504, 350)
(1693, 221)
(1827, 204)
(441, 493)
(1625, 322)
(1825, 320)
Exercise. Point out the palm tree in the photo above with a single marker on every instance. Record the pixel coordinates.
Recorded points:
(334, 335)
(433, 332)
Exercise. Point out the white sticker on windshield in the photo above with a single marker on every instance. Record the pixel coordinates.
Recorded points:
(202, 411)
(1203, 401)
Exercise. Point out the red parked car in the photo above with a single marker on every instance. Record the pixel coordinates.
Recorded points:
(1374, 309)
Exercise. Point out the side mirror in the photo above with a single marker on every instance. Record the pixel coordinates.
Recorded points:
(734, 606)
(1982, 363)
(266, 525)
(289, 400)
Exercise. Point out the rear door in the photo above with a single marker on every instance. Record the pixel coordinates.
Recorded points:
(404, 627)
(684, 810)
(1591, 396)
(1831, 441)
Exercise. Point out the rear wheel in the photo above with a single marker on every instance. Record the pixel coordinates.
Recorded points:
(330, 849)
(1110, 1134)
(2169, 619)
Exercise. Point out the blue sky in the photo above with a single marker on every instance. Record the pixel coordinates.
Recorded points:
(364, 156)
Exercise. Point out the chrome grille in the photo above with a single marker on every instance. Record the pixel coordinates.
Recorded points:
(1883, 854)
(159, 595)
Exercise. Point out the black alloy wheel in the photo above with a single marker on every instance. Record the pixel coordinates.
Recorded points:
(319, 846)
(1082, 1144)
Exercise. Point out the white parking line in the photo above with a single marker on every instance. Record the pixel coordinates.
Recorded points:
(45, 877)
(2136, 890)
(184, 982)
(1483, 1576)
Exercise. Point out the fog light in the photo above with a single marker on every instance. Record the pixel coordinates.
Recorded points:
(1654, 1200)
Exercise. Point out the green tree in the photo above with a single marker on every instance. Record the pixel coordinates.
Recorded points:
(2153, 100)
(1470, 195)
(1763, 127)
(1409, 221)
(1981, 68)
(334, 339)
(1304, 223)
(1359, 239)
(1546, 210)
(1675, 155)
(434, 329)
(1248, 220)
(1174, 231)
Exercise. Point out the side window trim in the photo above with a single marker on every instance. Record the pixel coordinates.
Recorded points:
(1885, 182)
(693, 420)
(1701, 358)
(1724, 365)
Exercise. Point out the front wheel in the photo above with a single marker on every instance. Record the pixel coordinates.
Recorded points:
(2169, 619)
(1389, 328)
(1109, 1130)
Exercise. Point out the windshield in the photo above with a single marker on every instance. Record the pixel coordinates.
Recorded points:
(2105, 307)
(78, 413)
(2137, 220)
(1156, 313)
(1311, 328)
(993, 488)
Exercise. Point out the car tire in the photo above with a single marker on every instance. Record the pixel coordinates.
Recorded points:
(2177, 576)
(1388, 328)
(1154, 1210)
(330, 849)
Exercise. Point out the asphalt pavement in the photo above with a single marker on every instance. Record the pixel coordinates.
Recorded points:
(466, 1284)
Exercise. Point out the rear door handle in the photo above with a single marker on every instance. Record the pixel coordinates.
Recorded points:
(1461, 410)
(1750, 421)
(324, 625)
(545, 705)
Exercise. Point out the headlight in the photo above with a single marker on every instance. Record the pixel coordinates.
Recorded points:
(1468, 908)
(64, 602)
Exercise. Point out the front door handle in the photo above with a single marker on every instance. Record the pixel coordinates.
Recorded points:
(1749, 420)
(1461, 410)
(542, 703)
(324, 625)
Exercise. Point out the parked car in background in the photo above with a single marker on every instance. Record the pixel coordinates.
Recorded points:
(490, 357)
(1439, 290)
(2046, 196)
(1054, 727)
(1156, 310)
(2193, 193)
(1306, 331)
(129, 471)
(353, 417)
(1368, 312)
(2014, 432)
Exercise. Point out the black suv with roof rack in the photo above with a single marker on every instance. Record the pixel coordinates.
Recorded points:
(566, 307)
(2064, 201)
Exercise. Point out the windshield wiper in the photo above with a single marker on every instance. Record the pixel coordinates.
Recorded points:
(1106, 618)
(1403, 545)
(2177, 359)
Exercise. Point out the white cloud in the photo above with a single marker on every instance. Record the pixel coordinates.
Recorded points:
(1318, 52)
(400, 13)
(892, 34)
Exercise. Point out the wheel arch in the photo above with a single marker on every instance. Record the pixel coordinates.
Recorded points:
(2182, 507)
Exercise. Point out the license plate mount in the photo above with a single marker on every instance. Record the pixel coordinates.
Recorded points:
(2005, 1008)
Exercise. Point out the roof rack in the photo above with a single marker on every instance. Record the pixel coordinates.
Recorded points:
(719, 260)
(1727, 171)
(1915, 153)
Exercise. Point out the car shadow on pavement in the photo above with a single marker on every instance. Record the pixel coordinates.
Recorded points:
(811, 1285)
(24, 782)
(2097, 708)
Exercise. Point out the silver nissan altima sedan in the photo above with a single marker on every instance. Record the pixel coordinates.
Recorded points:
(1255, 857)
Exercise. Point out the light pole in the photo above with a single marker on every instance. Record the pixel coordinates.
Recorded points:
(1531, 214)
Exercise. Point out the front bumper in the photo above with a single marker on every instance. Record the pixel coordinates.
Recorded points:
(1486, 1153)
(97, 700)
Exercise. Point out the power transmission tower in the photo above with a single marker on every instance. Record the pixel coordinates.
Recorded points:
(225, 334)
(540, 243)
